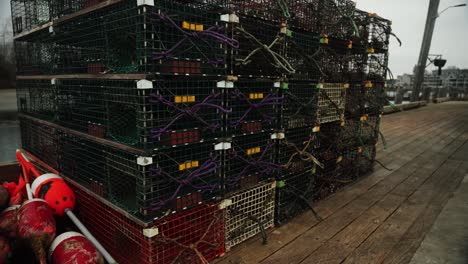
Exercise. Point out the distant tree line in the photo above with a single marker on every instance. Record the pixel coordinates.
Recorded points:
(7, 55)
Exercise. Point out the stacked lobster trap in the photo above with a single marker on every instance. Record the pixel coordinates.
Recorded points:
(188, 127)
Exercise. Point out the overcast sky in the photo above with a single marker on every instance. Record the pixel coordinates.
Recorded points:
(409, 17)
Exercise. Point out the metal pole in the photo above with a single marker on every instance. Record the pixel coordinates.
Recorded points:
(425, 47)
(90, 237)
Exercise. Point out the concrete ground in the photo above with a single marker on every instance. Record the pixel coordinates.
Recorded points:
(447, 241)
(10, 137)
(7, 100)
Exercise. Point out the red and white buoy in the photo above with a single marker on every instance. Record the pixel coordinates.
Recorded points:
(9, 221)
(36, 224)
(73, 247)
(55, 191)
(5, 249)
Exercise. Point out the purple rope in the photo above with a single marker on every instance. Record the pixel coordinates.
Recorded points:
(268, 100)
(212, 32)
(190, 112)
(207, 168)
(267, 167)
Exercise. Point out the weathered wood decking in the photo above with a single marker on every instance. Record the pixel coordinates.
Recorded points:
(383, 217)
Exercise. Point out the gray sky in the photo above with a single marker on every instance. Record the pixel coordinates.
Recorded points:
(409, 17)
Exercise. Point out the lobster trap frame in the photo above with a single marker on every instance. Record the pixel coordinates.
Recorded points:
(331, 102)
(249, 213)
(140, 113)
(294, 195)
(250, 159)
(297, 151)
(300, 104)
(366, 98)
(143, 185)
(261, 49)
(167, 38)
(254, 106)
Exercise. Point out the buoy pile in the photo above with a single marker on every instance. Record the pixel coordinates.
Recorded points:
(28, 222)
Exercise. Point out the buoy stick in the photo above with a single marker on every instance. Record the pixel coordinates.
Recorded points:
(26, 167)
(90, 237)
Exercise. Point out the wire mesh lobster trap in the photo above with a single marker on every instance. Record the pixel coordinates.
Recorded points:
(140, 113)
(294, 195)
(27, 15)
(254, 106)
(146, 186)
(249, 213)
(336, 18)
(192, 236)
(270, 10)
(195, 235)
(379, 31)
(328, 149)
(366, 98)
(166, 38)
(300, 104)
(303, 53)
(367, 66)
(346, 171)
(41, 140)
(331, 101)
(260, 51)
(317, 58)
(368, 129)
(249, 160)
(37, 98)
(297, 152)
(366, 159)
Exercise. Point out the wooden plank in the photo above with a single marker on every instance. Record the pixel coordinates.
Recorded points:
(107, 142)
(304, 221)
(462, 153)
(295, 251)
(407, 245)
(341, 245)
(377, 246)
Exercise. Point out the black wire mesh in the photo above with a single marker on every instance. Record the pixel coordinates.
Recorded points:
(331, 102)
(41, 141)
(165, 182)
(297, 152)
(37, 98)
(139, 113)
(251, 159)
(168, 38)
(271, 10)
(379, 31)
(366, 98)
(368, 129)
(254, 105)
(304, 54)
(27, 15)
(300, 104)
(294, 195)
(366, 159)
(260, 52)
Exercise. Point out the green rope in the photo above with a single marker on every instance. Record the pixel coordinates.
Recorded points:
(280, 61)
(284, 7)
(349, 17)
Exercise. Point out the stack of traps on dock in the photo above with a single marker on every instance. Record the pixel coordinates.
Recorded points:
(188, 127)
